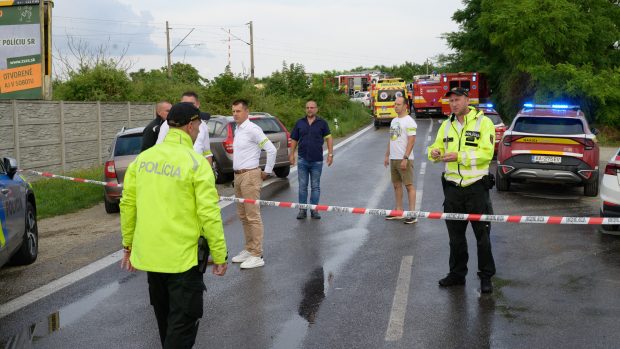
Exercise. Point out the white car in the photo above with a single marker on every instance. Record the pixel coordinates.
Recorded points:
(610, 191)
(361, 97)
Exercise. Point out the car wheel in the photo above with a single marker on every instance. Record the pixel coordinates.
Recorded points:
(591, 188)
(282, 172)
(503, 183)
(377, 125)
(110, 207)
(29, 249)
(220, 177)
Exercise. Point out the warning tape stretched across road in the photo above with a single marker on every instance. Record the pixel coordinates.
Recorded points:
(382, 212)
(435, 215)
(79, 180)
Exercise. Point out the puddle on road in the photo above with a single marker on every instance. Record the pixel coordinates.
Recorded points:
(342, 246)
(60, 319)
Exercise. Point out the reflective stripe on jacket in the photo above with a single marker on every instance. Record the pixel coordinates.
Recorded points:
(474, 145)
(169, 200)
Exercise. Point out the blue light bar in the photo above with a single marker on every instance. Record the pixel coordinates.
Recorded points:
(552, 106)
(485, 105)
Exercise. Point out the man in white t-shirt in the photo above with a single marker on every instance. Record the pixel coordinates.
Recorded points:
(399, 157)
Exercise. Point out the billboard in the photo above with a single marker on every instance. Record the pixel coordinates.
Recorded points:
(22, 50)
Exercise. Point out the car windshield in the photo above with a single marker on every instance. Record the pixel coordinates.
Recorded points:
(268, 125)
(389, 95)
(554, 126)
(128, 145)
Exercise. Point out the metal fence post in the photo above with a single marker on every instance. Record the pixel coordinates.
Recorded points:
(63, 159)
(128, 114)
(16, 133)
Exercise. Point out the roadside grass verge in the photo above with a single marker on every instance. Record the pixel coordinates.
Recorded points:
(608, 136)
(58, 196)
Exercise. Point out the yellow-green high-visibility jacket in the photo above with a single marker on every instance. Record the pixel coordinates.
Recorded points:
(169, 200)
(474, 144)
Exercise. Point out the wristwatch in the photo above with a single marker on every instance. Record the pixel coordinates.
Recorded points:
(405, 157)
(330, 154)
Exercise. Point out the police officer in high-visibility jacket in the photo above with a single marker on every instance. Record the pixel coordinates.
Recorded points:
(465, 143)
(169, 201)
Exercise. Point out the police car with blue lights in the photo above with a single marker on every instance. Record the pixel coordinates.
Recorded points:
(549, 143)
(19, 238)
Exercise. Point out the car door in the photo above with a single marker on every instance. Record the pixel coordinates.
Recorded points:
(12, 213)
(4, 254)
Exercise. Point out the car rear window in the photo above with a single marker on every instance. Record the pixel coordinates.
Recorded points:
(495, 118)
(555, 126)
(268, 125)
(128, 145)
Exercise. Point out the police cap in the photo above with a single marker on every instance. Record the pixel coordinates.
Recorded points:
(182, 114)
(459, 91)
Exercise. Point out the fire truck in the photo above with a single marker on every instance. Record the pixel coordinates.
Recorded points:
(351, 83)
(475, 83)
(383, 95)
(427, 95)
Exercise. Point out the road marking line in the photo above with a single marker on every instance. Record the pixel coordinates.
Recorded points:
(394, 330)
(423, 168)
(56, 285)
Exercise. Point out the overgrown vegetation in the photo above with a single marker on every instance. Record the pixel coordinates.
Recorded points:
(283, 94)
(58, 196)
(543, 51)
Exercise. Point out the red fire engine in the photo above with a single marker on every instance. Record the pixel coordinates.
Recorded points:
(474, 82)
(427, 94)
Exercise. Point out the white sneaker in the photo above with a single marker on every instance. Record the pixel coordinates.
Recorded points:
(241, 257)
(252, 262)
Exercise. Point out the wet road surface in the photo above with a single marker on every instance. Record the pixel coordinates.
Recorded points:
(349, 281)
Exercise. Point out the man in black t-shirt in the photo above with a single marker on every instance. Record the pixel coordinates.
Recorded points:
(151, 131)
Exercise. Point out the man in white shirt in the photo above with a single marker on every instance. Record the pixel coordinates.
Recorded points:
(248, 142)
(201, 145)
(399, 156)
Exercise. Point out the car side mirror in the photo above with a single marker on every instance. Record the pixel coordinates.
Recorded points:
(11, 166)
(595, 131)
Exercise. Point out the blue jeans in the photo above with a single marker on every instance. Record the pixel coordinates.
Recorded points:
(312, 170)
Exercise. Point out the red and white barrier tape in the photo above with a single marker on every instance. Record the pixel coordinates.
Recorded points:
(435, 215)
(79, 180)
(382, 212)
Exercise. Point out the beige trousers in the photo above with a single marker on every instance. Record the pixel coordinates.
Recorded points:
(247, 186)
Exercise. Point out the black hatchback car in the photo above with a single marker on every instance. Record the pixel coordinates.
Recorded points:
(19, 238)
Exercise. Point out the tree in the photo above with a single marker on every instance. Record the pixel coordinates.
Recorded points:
(543, 51)
(292, 80)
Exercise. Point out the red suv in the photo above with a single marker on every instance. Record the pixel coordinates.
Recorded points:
(549, 143)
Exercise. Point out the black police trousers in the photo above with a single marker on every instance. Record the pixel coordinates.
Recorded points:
(177, 301)
(471, 199)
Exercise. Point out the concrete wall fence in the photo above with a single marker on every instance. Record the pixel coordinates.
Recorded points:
(58, 136)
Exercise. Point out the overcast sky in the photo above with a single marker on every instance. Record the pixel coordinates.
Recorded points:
(320, 34)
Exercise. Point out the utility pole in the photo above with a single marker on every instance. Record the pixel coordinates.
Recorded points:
(168, 53)
(229, 62)
(251, 53)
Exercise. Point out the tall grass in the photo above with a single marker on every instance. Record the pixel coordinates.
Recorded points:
(58, 196)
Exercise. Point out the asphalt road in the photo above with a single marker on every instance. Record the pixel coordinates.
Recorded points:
(350, 281)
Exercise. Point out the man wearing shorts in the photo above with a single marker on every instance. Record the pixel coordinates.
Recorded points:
(399, 157)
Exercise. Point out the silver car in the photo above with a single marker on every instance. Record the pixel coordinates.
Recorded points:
(19, 236)
(123, 151)
(221, 135)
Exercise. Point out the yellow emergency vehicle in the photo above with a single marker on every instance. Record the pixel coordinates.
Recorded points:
(383, 96)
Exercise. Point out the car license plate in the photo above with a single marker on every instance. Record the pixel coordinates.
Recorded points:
(545, 159)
